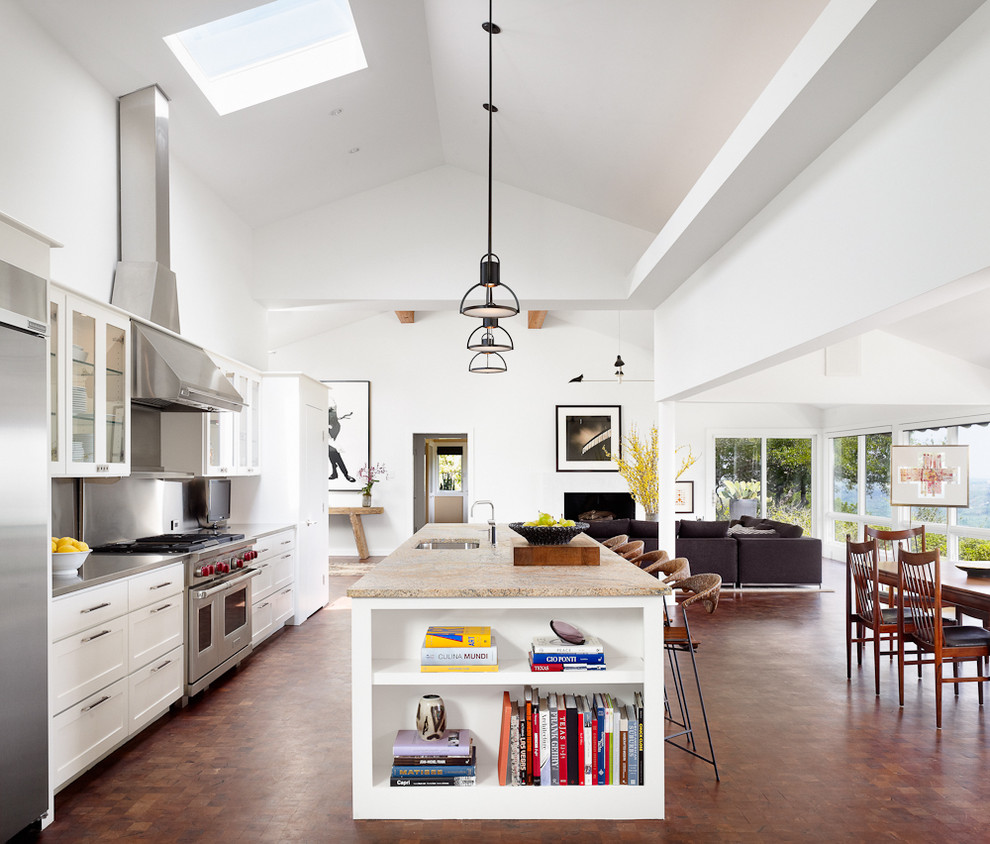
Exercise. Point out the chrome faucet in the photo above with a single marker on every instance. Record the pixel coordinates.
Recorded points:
(491, 521)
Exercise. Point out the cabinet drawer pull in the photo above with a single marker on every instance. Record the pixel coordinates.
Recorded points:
(103, 699)
(262, 606)
(96, 636)
(287, 591)
(160, 667)
(93, 609)
(159, 609)
(159, 586)
(262, 551)
(286, 556)
(286, 542)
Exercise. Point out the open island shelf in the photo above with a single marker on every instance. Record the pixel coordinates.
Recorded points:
(412, 589)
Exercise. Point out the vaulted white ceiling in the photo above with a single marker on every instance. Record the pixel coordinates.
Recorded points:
(636, 112)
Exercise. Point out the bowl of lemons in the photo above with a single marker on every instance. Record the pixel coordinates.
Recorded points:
(546, 530)
(68, 555)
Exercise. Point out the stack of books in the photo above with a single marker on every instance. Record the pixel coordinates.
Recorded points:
(549, 653)
(558, 738)
(449, 760)
(459, 649)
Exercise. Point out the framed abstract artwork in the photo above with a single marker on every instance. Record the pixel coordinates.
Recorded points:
(929, 475)
(684, 496)
(349, 434)
(587, 437)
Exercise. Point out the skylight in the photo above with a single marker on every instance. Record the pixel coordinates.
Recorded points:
(269, 51)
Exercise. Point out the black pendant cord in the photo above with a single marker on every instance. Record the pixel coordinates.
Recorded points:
(491, 110)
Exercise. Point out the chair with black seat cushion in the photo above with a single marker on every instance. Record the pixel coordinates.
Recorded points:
(888, 541)
(677, 638)
(866, 619)
(920, 590)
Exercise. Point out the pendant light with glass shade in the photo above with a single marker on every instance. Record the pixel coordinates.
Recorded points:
(487, 340)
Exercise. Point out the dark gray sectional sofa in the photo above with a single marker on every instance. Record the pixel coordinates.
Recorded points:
(783, 557)
(634, 528)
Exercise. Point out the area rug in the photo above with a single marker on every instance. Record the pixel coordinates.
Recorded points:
(779, 590)
(351, 568)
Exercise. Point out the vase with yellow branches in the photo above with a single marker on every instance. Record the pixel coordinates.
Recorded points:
(638, 468)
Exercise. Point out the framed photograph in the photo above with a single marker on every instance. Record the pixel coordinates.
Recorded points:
(929, 475)
(683, 496)
(349, 429)
(587, 437)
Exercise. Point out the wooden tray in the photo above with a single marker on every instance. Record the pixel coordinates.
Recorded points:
(571, 554)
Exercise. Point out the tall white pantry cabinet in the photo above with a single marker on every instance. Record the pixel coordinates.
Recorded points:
(387, 683)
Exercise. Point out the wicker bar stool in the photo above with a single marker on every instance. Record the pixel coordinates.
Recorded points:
(616, 541)
(649, 557)
(630, 550)
(704, 588)
(669, 571)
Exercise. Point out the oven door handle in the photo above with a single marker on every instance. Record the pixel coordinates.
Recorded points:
(227, 584)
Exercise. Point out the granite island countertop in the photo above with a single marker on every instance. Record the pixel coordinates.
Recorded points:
(486, 571)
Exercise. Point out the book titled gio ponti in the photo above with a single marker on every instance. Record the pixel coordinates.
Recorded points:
(451, 743)
(446, 637)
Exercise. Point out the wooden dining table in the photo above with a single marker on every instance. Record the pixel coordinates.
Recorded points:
(960, 589)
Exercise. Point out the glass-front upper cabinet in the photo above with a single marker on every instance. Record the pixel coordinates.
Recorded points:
(56, 385)
(91, 392)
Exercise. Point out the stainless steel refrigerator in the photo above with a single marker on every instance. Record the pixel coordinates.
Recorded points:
(25, 584)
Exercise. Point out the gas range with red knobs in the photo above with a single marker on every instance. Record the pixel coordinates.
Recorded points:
(212, 565)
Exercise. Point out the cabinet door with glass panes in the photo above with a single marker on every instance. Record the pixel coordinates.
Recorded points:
(91, 424)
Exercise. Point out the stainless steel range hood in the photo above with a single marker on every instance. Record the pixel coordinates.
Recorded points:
(169, 373)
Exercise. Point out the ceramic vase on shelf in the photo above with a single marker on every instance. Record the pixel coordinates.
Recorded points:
(365, 499)
(431, 717)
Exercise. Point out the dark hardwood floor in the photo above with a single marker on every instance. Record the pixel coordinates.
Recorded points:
(804, 755)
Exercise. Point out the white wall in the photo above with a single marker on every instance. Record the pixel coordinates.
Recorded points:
(895, 208)
(58, 174)
(420, 384)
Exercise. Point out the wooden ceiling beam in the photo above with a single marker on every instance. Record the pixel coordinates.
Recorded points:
(535, 318)
(406, 317)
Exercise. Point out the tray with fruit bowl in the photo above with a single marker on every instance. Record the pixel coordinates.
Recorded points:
(547, 531)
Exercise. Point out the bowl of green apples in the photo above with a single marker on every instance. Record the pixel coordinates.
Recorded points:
(546, 530)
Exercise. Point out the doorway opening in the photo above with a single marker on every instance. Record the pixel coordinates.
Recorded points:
(440, 479)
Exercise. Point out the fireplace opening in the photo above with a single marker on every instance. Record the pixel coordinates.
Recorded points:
(596, 506)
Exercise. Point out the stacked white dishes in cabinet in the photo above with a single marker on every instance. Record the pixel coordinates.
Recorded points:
(79, 354)
(78, 400)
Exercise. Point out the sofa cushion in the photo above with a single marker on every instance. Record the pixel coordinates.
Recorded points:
(703, 530)
(750, 521)
(784, 529)
(643, 529)
(607, 528)
(742, 530)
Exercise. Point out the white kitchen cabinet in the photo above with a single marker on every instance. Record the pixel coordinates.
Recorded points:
(271, 590)
(117, 663)
(221, 443)
(91, 388)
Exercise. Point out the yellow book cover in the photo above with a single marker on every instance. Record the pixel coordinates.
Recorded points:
(448, 669)
(445, 637)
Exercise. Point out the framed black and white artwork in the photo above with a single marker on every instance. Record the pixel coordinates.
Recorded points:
(349, 434)
(587, 437)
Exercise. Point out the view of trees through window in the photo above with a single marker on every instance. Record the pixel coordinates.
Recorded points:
(959, 533)
(449, 461)
(739, 478)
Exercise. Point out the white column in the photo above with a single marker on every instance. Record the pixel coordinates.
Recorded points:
(666, 451)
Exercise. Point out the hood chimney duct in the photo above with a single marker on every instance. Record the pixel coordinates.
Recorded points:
(144, 283)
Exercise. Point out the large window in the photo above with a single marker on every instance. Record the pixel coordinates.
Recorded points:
(769, 476)
(861, 490)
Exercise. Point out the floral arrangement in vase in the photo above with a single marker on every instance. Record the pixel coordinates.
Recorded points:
(639, 468)
(371, 474)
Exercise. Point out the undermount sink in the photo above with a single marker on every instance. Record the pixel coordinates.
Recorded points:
(448, 544)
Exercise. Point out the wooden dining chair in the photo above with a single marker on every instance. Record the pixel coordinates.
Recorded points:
(677, 639)
(867, 620)
(616, 541)
(920, 589)
(888, 541)
(630, 549)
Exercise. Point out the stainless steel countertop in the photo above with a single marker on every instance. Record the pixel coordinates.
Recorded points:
(104, 568)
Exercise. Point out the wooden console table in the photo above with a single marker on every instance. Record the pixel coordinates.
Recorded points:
(355, 514)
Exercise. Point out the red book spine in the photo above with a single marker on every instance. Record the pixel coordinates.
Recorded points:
(594, 749)
(580, 747)
(562, 743)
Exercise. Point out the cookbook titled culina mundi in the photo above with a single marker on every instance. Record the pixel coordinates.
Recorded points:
(459, 657)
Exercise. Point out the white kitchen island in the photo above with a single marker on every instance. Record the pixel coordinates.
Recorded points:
(411, 589)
